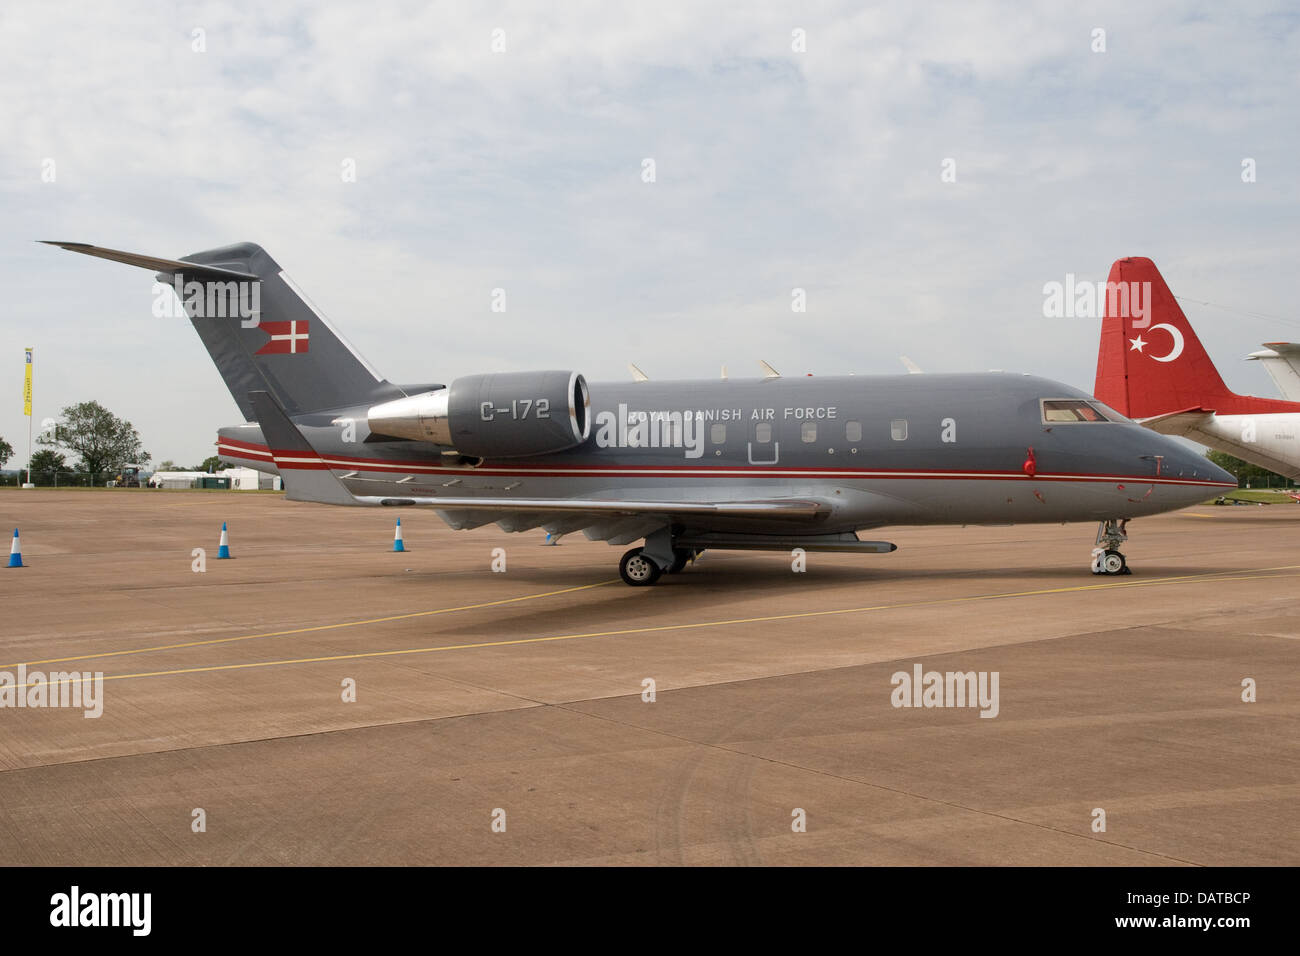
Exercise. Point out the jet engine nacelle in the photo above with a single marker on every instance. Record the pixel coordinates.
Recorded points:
(501, 415)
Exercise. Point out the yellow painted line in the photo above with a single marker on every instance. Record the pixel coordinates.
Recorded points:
(1209, 577)
(319, 627)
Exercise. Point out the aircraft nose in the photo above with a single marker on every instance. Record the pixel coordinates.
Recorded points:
(1181, 462)
(1217, 473)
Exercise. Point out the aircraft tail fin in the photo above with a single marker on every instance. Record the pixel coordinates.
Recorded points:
(1150, 361)
(261, 331)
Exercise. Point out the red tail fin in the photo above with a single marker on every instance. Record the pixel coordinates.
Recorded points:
(1150, 361)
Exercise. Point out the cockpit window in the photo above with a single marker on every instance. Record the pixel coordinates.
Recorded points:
(1110, 413)
(1060, 410)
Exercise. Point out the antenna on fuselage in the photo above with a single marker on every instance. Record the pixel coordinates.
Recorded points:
(637, 374)
(724, 373)
(768, 371)
(912, 367)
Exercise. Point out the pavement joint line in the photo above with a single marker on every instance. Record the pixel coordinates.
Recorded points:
(318, 627)
(1245, 574)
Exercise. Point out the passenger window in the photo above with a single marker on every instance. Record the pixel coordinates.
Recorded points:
(808, 432)
(763, 432)
(898, 429)
(1070, 410)
(718, 434)
(853, 431)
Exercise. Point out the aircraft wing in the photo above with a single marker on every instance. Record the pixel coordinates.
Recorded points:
(619, 521)
(769, 508)
(612, 519)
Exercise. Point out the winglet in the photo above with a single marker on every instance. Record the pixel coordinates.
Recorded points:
(306, 476)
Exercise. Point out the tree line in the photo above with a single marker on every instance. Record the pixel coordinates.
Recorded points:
(89, 439)
(1246, 473)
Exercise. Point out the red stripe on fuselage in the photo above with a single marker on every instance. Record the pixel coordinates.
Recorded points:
(692, 471)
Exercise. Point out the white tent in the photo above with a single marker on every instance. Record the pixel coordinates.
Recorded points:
(241, 479)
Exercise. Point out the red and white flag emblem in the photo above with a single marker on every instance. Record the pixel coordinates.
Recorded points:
(287, 338)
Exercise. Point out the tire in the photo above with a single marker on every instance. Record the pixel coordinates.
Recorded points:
(637, 570)
(1113, 562)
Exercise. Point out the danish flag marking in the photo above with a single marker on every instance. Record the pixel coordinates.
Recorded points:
(287, 338)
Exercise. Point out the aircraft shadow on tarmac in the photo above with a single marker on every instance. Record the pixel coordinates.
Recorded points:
(745, 575)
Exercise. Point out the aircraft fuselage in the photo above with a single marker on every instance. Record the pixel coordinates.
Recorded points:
(906, 449)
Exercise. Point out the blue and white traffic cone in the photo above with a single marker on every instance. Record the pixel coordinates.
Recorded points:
(397, 537)
(16, 553)
(223, 551)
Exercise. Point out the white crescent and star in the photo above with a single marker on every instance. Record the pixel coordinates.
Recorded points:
(1137, 344)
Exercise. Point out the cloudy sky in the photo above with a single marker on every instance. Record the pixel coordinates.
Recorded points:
(775, 168)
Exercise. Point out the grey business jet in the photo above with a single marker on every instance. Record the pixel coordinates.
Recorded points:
(764, 464)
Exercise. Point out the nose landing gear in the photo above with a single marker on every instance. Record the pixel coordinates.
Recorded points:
(1106, 557)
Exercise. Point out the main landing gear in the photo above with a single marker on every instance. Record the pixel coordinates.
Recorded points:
(1106, 557)
(639, 569)
(660, 555)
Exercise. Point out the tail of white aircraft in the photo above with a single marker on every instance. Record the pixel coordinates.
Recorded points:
(1150, 363)
(1282, 362)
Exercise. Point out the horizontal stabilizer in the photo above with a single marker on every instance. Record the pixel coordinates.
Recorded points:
(169, 266)
(1176, 423)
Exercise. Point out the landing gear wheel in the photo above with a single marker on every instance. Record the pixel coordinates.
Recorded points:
(1106, 557)
(637, 570)
(681, 556)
